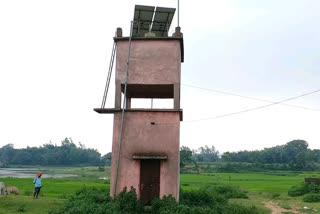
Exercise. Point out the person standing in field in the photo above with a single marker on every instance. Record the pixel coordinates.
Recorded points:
(37, 185)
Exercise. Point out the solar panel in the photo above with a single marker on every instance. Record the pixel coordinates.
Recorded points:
(146, 18)
(162, 20)
(142, 19)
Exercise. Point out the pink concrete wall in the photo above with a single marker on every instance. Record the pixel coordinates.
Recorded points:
(151, 61)
(139, 136)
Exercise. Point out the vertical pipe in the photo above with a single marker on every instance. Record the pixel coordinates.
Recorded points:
(178, 13)
(122, 115)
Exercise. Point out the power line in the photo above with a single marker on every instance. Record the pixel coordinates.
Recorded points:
(246, 110)
(233, 94)
(247, 97)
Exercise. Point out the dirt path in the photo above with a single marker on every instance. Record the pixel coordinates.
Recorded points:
(276, 209)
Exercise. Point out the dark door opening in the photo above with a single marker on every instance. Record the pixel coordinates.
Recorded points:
(149, 180)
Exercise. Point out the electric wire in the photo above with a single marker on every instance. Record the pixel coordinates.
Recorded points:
(246, 110)
(231, 94)
(242, 111)
(247, 97)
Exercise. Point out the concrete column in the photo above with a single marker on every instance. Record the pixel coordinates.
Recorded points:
(117, 100)
(177, 32)
(128, 102)
(119, 32)
(176, 96)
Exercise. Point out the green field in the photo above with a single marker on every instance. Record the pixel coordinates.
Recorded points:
(53, 188)
(261, 187)
(25, 204)
(264, 182)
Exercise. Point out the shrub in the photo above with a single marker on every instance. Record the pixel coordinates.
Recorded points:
(239, 209)
(303, 189)
(98, 201)
(226, 190)
(200, 198)
(168, 205)
(312, 198)
(212, 199)
(275, 195)
(298, 190)
(314, 188)
(203, 201)
(128, 201)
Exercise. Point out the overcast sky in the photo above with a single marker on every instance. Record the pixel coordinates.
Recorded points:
(54, 58)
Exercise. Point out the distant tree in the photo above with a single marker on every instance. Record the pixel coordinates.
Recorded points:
(226, 157)
(305, 160)
(294, 154)
(293, 148)
(6, 153)
(316, 155)
(185, 156)
(106, 159)
(48, 154)
(206, 154)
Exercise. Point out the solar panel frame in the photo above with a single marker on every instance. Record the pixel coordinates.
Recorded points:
(142, 19)
(162, 20)
(158, 19)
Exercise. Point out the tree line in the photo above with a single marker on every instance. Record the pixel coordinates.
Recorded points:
(295, 154)
(52, 155)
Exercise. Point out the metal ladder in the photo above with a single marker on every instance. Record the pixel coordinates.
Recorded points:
(114, 48)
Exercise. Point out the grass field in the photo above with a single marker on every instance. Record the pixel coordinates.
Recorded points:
(261, 187)
(54, 188)
(264, 182)
(25, 204)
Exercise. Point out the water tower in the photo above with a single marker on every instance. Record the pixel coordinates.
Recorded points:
(145, 146)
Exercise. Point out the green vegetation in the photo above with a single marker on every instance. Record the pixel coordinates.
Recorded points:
(294, 155)
(262, 182)
(68, 154)
(258, 187)
(25, 204)
(240, 182)
(98, 201)
(204, 200)
(315, 197)
(303, 189)
(57, 188)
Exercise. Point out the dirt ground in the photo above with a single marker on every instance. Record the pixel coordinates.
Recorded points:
(276, 209)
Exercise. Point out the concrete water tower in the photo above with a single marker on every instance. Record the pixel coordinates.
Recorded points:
(145, 148)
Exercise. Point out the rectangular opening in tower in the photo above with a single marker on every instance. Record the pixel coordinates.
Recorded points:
(152, 103)
(149, 180)
(149, 90)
